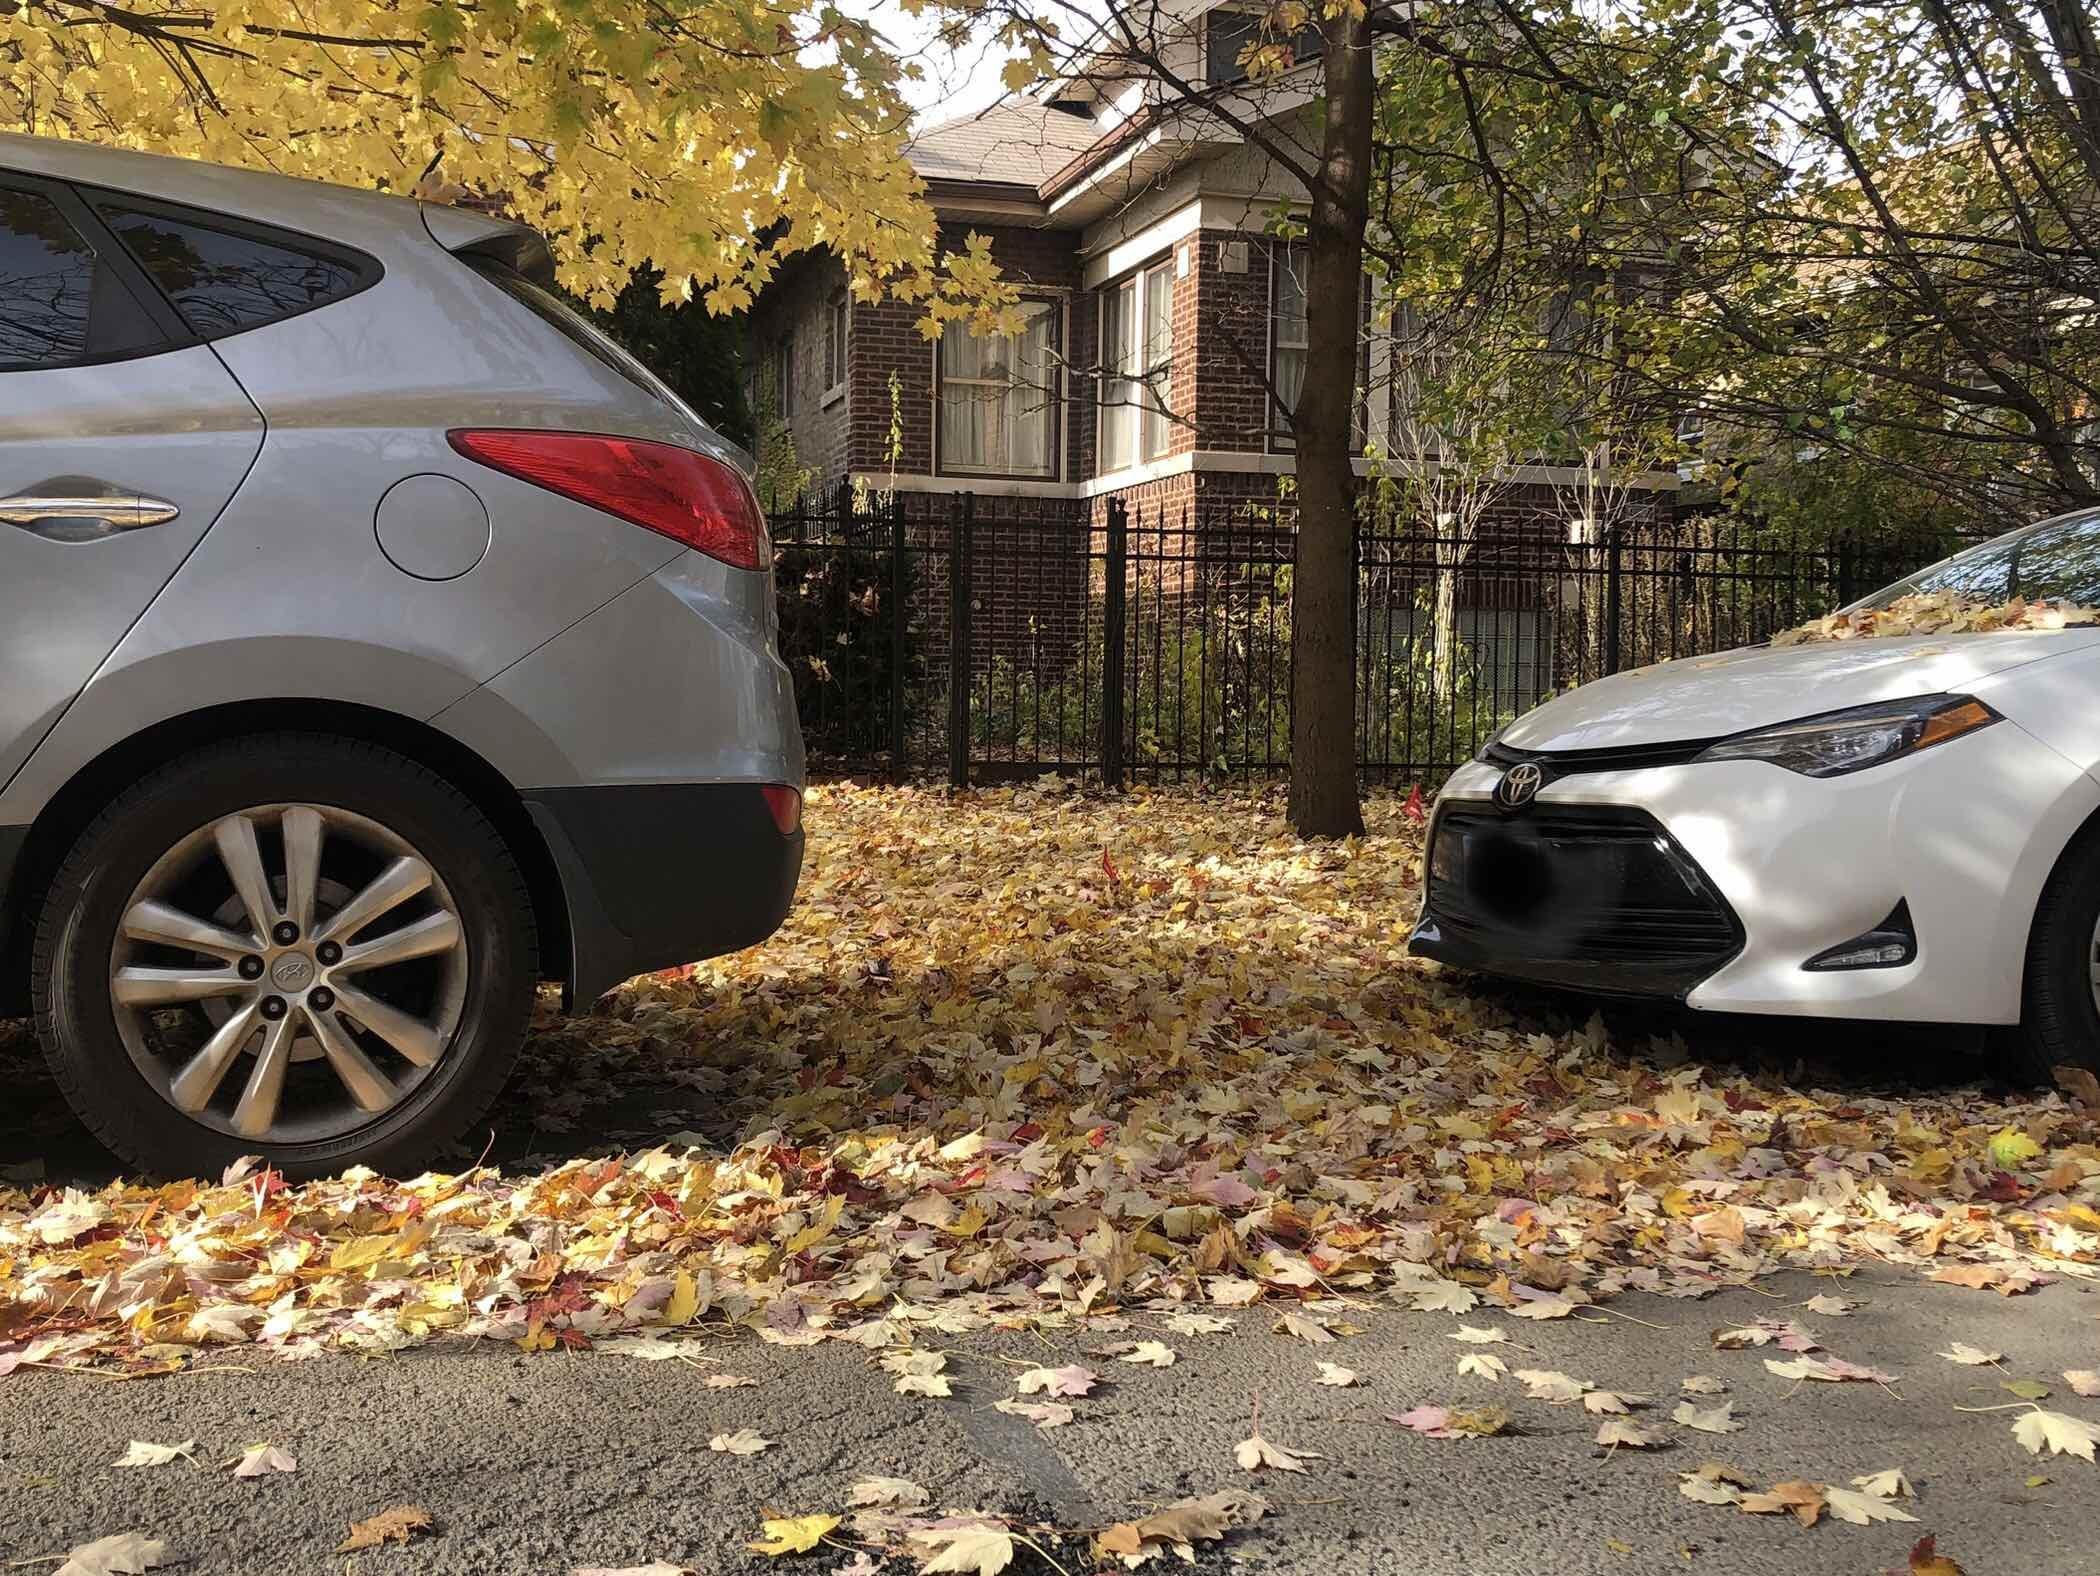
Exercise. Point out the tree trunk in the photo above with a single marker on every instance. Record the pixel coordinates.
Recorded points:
(1323, 801)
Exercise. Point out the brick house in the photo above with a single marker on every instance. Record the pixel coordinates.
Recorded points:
(1164, 337)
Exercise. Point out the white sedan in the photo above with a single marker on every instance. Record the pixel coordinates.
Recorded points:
(1902, 828)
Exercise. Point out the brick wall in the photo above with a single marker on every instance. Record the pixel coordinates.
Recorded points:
(798, 303)
(1232, 403)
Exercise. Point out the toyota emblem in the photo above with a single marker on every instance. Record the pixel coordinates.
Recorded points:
(1519, 786)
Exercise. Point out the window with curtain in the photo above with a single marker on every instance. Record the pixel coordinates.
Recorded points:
(1137, 359)
(997, 397)
(1287, 332)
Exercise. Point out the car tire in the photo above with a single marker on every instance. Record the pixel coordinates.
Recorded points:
(2060, 1020)
(385, 821)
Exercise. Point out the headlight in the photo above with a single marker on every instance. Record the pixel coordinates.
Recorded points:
(1849, 741)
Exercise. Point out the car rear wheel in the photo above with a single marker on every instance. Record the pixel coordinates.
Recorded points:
(2060, 1018)
(302, 947)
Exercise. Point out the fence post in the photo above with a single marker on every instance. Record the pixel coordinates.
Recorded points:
(1113, 612)
(1611, 598)
(959, 642)
(900, 583)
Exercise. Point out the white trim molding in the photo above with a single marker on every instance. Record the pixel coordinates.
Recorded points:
(1225, 462)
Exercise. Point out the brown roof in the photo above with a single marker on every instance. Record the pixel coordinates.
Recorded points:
(1021, 141)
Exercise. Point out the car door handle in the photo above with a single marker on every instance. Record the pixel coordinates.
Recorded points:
(78, 517)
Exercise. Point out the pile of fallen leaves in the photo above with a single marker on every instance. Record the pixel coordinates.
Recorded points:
(1030, 1056)
(1939, 613)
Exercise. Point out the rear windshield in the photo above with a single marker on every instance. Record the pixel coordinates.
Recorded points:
(2057, 559)
(573, 326)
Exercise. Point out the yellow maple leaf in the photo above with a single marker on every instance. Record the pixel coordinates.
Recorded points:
(792, 1535)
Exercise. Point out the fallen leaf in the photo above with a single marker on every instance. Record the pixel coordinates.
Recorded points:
(1861, 1509)
(1803, 1501)
(1156, 1354)
(888, 1491)
(1710, 1485)
(1255, 1453)
(396, 1524)
(2026, 1389)
(656, 1568)
(1044, 1414)
(1198, 1324)
(935, 1385)
(1070, 1380)
(120, 1554)
(1543, 1308)
(141, 1454)
(1614, 1431)
(1442, 1297)
(791, 1534)
(978, 1549)
(1714, 1420)
(1831, 1370)
(1180, 1526)
(1341, 1378)
(744, 1442)
(1482, 1365)
(1925, 1560)
(1970, 1356)
(1829, 1307)
(1889, 1483)
(259, 1460)
(1309, 1330)
(1548, 1384)
(729, 1382)
(2064, 1434)
(1702, 1384)
(1607, 1401)
(1479, 1337)
(2083, 1381)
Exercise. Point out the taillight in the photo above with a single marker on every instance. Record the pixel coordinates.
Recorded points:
(786, 805)
(687, 496)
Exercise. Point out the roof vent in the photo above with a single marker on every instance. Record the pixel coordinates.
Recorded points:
(1083, 108)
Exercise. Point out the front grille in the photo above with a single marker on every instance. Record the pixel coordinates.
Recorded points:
(1584, 894)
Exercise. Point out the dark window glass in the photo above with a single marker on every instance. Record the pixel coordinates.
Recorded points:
(223, 282)
(59, 302)
(1227, 35)
(558, 315)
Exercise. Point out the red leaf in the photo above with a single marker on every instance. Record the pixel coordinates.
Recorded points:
(1413, 809)
(1108, 866)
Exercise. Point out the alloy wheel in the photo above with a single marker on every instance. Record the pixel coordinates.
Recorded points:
(289, 973)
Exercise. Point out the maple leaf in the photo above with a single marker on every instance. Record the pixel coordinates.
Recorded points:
(935, 1386)
(1156, 1354)
(1548, 1384)
(1071, 1380)
(975, 1549)
(1830, 1370)
(1478, 1337)
(1543, 1308)
(729, 1382)
(1198, 1324)
(1713, 1420)
(1255, 1453)
(120, 1554)
(888, 1491)
(1441, 1297)
(1861, 1509)
(1614, 1431)
(744, 1442)
(1970, 1356)
(1702, 1384)
(139, 1453)
(791, 1534)
(1296, 1323)
(2064, 1434)
(1182, 1525)
(2083, 1381)
(1803, 1501)
(1829, 1307)
(1044, 1414)
(1925, 1560)
(396, 1524)
(261, 1460)
(1711, 1484)
(1889, 1483)
(646, 1348)
(1482, 1365)
(1339, 1377)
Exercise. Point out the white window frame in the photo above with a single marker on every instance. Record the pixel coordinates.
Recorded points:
(1138, 427)
(1052, 399)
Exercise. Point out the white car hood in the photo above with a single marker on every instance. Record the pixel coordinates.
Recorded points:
(1707, 697)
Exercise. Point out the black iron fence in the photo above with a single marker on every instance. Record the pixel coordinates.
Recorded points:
(992, 638)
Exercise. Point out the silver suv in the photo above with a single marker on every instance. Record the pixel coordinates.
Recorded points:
(379, 640)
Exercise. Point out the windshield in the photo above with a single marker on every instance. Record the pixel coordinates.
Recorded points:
(2055, 560)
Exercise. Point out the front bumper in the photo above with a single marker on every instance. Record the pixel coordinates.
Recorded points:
(1596, 897)
(660, 874)
(1966, 834)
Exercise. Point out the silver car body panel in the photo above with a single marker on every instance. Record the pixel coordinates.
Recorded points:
(284, 593)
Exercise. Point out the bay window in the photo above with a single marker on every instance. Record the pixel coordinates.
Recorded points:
(997, 397)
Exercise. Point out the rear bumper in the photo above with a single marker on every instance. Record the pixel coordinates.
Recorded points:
(661, 874)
